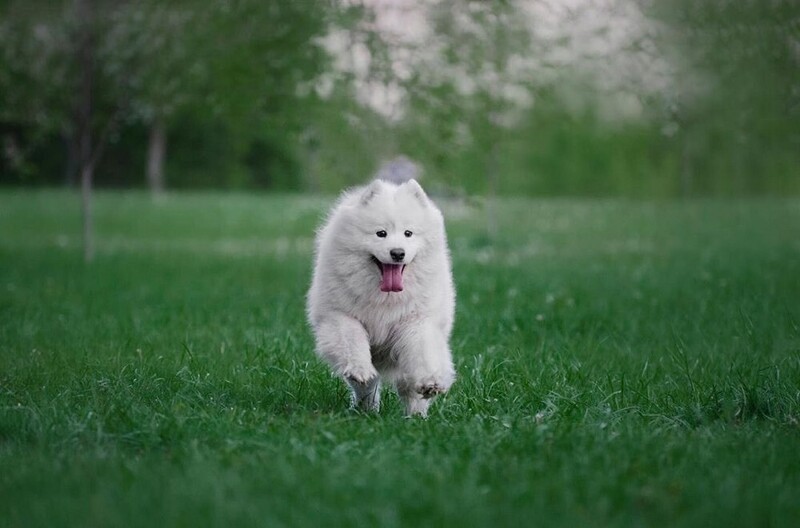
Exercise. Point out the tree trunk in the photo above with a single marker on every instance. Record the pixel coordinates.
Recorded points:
(86, 209)
(156, 151)
(86, 162)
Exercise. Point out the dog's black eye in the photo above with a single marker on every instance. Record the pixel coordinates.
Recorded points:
(408, 233)
(381, 234)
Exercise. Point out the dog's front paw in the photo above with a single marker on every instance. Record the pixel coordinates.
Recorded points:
(429, 389)
(360, 374)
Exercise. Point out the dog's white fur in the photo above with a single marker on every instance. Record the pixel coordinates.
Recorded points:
(365, 334)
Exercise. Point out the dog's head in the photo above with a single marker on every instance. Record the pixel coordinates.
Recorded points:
(395, 224)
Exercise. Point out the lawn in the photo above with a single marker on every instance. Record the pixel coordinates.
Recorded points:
(620, 364)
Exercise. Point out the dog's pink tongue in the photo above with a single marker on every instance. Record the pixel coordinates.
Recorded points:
(392, 280)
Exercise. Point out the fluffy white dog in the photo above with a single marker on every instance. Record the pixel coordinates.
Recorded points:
(381, 301)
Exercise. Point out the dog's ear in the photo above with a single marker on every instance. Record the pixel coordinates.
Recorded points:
(370, 191)
(416, 191)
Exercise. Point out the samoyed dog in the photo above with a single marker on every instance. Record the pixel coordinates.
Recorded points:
(381, 300)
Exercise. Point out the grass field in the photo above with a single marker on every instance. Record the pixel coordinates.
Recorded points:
(620, 364)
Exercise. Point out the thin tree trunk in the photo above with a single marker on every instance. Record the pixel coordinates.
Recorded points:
(86, 208)
(156, 152)
(86, 65)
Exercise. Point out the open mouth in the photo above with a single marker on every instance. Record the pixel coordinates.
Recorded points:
(391, 276)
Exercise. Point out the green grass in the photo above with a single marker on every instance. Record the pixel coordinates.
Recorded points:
(619, 364)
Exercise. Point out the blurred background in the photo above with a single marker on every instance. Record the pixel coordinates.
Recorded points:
(652, 99)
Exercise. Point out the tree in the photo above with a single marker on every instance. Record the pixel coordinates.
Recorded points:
(471, 90)
(147, 51)
(55, 85)
(241, 63)
(92, 132)
(736, 110)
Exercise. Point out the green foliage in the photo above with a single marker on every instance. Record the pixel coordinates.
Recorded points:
(36, 77)
(496, 101)
(737, 110)
(725, 123)
(619, 363)
(232, 70)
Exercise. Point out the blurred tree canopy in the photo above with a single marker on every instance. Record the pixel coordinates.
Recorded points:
(636, 98)
(220, 79)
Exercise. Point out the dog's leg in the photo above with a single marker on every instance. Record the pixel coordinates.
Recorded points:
(424, 367)
(342, 342)
(366, 396)
(413, 402)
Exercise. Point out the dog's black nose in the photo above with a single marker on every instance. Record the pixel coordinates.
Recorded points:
(397, 254)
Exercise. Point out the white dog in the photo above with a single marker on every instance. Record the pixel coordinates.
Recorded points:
(382, 299)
